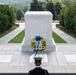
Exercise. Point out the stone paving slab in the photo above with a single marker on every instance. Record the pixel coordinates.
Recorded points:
(61, 59)
(52, 59)
(70, 69)
(20, 61)
(4, 58)
(18, 69)
(58, 69)
(5, 69)
(66, 48)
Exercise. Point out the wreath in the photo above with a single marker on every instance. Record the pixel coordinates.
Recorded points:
(38, 43)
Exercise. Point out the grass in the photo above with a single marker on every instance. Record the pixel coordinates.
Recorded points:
(57, 38)
(6, 32)
(67, 31)
(20, 36)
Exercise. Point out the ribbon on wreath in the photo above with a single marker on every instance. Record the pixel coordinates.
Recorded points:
(38, 39)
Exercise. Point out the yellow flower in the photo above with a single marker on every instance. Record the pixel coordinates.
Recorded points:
(41, 47)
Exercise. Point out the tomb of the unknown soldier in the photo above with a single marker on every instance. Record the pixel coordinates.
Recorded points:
(38, 34)
(38, 23)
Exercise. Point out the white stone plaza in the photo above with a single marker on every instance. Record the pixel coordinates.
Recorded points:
(61, 61)
(12, 60)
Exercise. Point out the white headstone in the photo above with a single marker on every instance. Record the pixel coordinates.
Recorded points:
(38, 23)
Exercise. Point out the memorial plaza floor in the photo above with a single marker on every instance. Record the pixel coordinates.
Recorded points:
(12, 60)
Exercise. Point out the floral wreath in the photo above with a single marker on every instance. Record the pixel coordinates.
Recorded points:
(38, 43)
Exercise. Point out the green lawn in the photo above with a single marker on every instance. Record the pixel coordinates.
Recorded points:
(20, 36)
(58, 39)
(6, 32)
(67, 31)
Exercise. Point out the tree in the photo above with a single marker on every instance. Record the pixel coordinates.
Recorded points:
(36, 6)
(67, 18)
(68, 2)
(19, 14)
(3, 22)
(71, 18)
(50, 7)
(58, 8)
(7, 17)
(46, 0)
(61, 16)
(25, 8)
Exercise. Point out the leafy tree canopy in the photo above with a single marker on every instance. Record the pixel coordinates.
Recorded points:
(67, 18)
(50, 7)
(36, 6)
(7, 17)
(19, 14)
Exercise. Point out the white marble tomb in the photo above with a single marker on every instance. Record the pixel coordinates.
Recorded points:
(38, 23)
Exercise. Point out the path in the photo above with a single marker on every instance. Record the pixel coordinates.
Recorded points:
(66, 37)
(12, 34)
